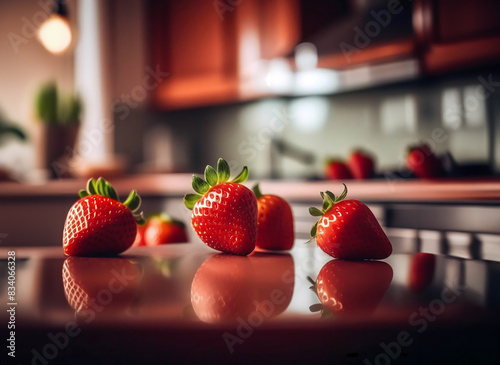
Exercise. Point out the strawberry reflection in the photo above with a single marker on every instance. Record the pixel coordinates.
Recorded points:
(422, 267)
(99, 285)
(228, 288)
(348, 287)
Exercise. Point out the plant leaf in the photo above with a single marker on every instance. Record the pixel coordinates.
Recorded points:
(313, 232)
(343, 195)
(200, 185)
(130, 198)
(211, 175)
(331, 195)
(316, 307)
(111, 192)
(256, 191)
(83, 193)
(242, 177)
(191, 199)
(223, 171)
(91, 187)
(315, 212)
(101, 186)
(135, 203)
(327, 203)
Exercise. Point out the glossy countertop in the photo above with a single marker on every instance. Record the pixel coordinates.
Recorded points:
(185, 303)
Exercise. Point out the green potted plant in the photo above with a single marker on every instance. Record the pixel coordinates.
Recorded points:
(60, 116)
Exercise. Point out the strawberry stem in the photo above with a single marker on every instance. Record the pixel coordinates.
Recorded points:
(256, 191)
(103, 188)
(329, 200)
(212, 178)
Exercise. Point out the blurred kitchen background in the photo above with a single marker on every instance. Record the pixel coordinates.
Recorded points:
(279, 85)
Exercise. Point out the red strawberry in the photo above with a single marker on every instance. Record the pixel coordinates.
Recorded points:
(345, 287)
(422, 268)
(362, 165)
(224, 213)
(337, 170)
(422, 161)
(274, 222)
(98, 224)
(162, 229)
(139, 237)
(348, 229)
(85, 279)
(228, 288)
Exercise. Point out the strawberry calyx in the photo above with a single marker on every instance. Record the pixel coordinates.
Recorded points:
(329, 200)
(104, 188)
(318, 307)
(331, 160)
(256, 191)
(213, 177)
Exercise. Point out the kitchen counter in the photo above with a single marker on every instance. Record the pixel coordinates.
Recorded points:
(176, 185)
(185, 303)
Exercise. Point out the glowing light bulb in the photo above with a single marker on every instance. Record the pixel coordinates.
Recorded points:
(55, 34)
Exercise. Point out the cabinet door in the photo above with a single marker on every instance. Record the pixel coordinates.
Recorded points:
(457, 34)
(197, 47)
(213, 49)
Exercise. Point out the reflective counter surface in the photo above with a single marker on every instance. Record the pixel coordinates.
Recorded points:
(185, 303)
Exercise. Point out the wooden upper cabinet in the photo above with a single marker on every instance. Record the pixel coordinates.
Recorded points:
(457, 34)
(212, 48)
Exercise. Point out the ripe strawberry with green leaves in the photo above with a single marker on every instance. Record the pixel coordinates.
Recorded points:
(347, 288)
(99, 224)
(336, 169)
(361, 164)
(224, 214)
(274, 222)
(424, 163)
(348, 229)
(162, 229)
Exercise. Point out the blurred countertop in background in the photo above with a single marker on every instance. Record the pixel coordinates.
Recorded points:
(378, 190)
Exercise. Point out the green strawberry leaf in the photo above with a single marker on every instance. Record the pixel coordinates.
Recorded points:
(191, 199)
(331, 196)
(200, 185)
(242, 177)
(101, 186)
(91, 187)
(256, 191)
(315, 212)
(104, 188)
(327, 203)
(83, 193)
(211, 175)
(223, 171)
(316, 307)
(343, 195)
(130, 198)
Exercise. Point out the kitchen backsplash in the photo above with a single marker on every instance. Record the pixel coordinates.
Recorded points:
(453, 115)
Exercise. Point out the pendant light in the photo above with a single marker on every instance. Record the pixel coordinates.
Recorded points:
(55, 32)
